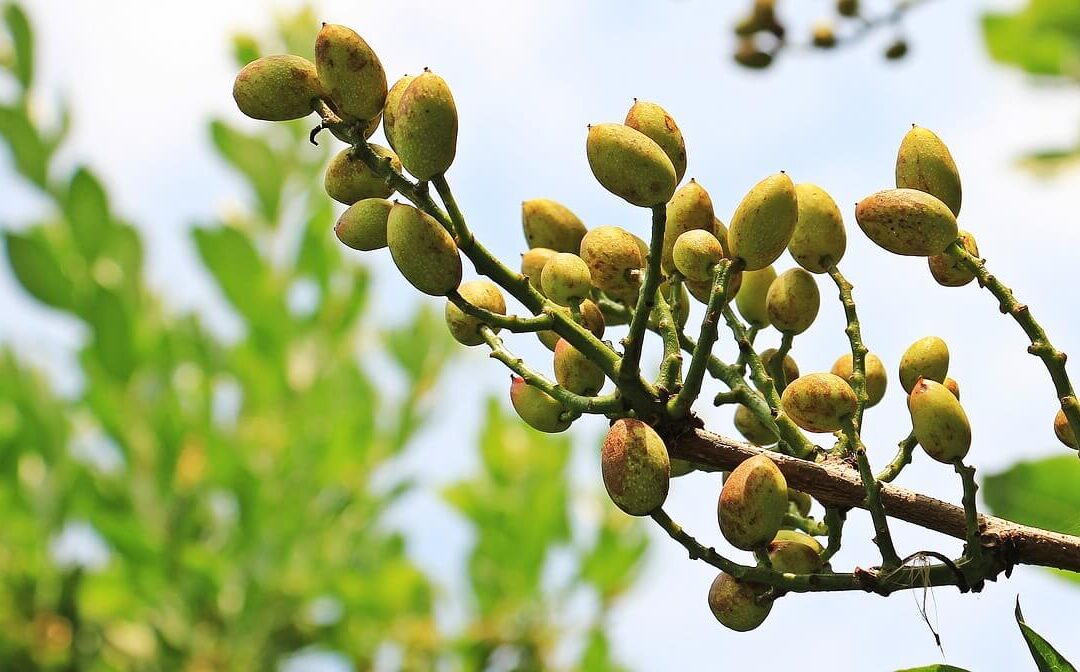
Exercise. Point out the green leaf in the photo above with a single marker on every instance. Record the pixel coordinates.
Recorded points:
(114, 341)
(241, 274)
(597, 654)
(22, 39)
(615, 558)
(253, 157)
(28, 151)
(34, 262)
(1043, 38)
(934, 668)
(87, 210)
(1046, 656)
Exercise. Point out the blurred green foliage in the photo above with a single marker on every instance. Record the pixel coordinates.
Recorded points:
(204, 503)
(1042, 39)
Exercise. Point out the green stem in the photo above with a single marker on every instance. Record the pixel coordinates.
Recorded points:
(751, 336)
(1041, 347)
(776, 364)
(902, 459)
(877, 580)
(630, 367)
(513, 323)
(858, 348)
(718, 299)
(834, 520)
(882, 536)
(973, 549)
(670, 376)
(575, 404)
(806, 524)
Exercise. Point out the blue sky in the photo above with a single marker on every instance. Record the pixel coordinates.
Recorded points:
(527, 78)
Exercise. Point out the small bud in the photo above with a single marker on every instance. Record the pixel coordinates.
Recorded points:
(550, 224)
(953, 387)
(1062, 430)
(925, 358)
(762, 225)
(635, 466)
(539, 410)
(277, 88)
(818, 402)
(907, 222)
(752, 503)
(793, 301)
(630, 164)
(350, 72)
(423, 250)
(363, 224)
(481, 293)
(939, 422)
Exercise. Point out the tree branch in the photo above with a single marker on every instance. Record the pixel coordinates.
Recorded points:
(835, 484)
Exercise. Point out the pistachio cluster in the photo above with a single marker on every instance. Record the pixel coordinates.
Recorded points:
(574, 282)
(762, 34)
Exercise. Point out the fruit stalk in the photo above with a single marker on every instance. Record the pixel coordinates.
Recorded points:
(906, 449)
(776, 364)
(973, 548)
(630, 366)
(670, 374)
(882, 536)
(517, 324)
(1041, 347)
(858, 348)
(718, 300)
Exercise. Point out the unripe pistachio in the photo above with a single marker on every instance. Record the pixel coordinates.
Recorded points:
(393, 99)
(818, 402)
(749, 55)
(877, 379)
(801, 501)
(793, 301)
(630, 165)
(481, 293)
(924, 163)
(953, 387)
(1062, 430)
(591, 318)
(566, 279)
(763, 222)
(690, 209)
(946, 271)
(532, 264)
(348, 179)
(736, 604)
(539, 410)
(681, 467)
(753, 430)
(791, 368)
(925, 358)
(363, 224)
(800, 538)
(823, 36)
(576, 372)
(423, 250)
(655, 122)
(426, 126)
(907, 222)
(938, 421)
(277, 88)
(752, 503)
(721, 233)
(614, 259)
(548, 223)
(752, 295)
(635, 466)
(702, 290)
(696, 254)
(792, 557)
(819, 238)
(350, 72)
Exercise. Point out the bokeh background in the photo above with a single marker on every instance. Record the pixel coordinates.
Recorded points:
(130, 487)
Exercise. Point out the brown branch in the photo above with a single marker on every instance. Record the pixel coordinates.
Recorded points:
(834, 483)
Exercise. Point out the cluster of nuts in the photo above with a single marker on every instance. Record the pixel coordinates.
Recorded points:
(581, 280)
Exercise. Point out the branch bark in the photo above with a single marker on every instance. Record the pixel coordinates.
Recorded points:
(835, 483)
